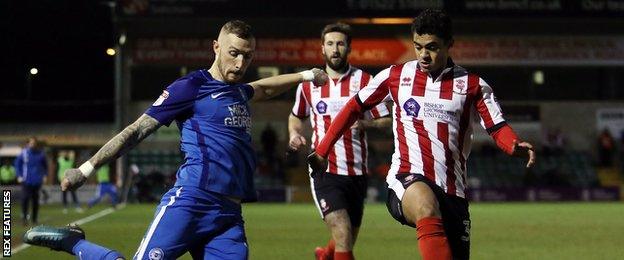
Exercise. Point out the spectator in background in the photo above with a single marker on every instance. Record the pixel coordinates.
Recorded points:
(269, 164)
(269, 142)
(606, 148)
(621, 153)
(134, 172)
(554, 142)
(31, 167)
(65, 162)
(105, 186)
(7, 172)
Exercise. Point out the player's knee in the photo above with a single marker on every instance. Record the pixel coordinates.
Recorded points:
(425, 210)
(422, 208)
(419, 202)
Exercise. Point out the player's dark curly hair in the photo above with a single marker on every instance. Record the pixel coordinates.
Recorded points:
(238, 28)
(434, 22)
(337, 27)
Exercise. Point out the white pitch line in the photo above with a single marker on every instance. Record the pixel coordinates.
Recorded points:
(19, 248)
(77, 222)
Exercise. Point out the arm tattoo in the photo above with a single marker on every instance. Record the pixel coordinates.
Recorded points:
(126, 140)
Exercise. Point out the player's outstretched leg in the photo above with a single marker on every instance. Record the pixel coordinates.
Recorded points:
(70, 239)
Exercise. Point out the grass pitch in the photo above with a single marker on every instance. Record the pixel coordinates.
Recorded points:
(291, 231)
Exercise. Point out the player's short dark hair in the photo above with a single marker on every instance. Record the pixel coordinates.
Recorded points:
(434, 22)
(238, 28)
(337, 27)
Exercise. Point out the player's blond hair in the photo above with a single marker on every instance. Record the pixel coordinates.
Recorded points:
(238, 28)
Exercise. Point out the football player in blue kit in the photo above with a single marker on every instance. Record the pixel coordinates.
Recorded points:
(201, 214)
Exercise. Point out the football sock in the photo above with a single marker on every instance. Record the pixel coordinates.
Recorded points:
(331, 247)
(69, 243)
(86, 250)
(432, 240)
(344, 255)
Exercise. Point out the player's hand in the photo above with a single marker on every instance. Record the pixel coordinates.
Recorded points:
(296, 141)
(522, 148)
(317, 163)
(73, 179)
(320, 77)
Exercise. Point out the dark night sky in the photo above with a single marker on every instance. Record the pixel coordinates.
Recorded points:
(66, 41)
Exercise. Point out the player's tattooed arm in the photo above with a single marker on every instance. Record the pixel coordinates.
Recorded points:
(272, 86)
(125, 140)
(114, 148)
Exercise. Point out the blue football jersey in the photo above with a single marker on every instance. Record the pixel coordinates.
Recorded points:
(215, 122)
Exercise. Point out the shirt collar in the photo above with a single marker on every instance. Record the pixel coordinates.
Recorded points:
(347, 73)
(449, 67)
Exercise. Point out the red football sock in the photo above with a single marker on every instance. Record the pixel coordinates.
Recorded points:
(432, 240)
(344, 255)
(331, 247)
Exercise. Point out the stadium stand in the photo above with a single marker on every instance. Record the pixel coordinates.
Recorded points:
(569, 169)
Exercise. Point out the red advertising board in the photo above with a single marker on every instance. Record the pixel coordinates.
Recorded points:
(269, 51)
(563, 51)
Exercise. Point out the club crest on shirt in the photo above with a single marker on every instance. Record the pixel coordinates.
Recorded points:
(324, 205)
(161, 99)
(321, 107)
(460, 84)
(355, 86)
(411, 107)
(156, 254)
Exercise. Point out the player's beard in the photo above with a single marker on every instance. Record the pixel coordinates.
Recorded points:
(340, 65)
(227, 74)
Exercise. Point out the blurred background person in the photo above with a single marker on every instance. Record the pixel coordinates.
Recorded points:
(606, 148)
(31, 167)
(65, 161)
(554, 142)
(7, 172)
(104, 187)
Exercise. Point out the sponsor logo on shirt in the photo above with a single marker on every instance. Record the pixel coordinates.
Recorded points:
(439, 111)
(335, 106)
(321, 107)
(216, 95)
(411, 107)
(406, 81)
(239, 117)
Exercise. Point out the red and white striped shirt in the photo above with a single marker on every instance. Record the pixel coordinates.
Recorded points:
(349, 155)
(432, 120)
